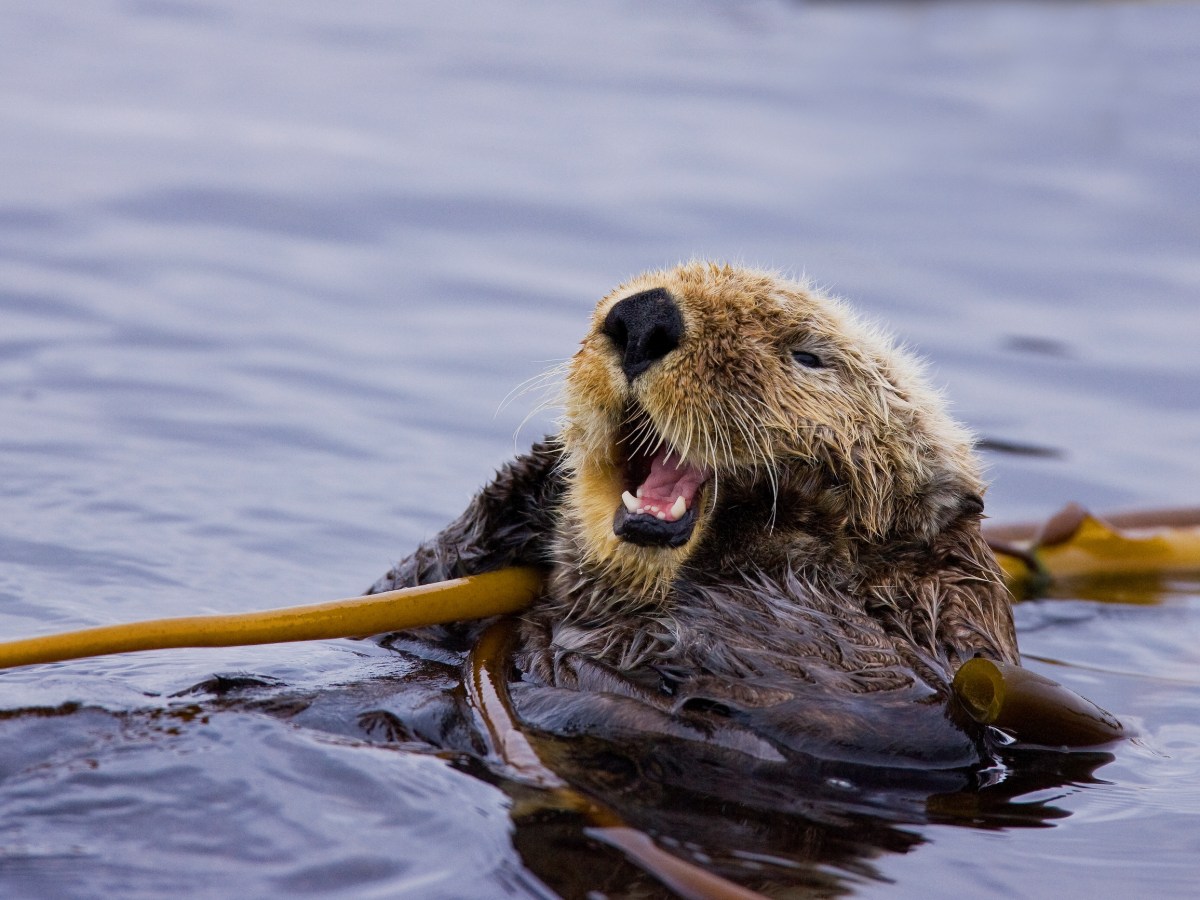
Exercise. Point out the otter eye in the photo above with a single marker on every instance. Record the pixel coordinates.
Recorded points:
(806, 359)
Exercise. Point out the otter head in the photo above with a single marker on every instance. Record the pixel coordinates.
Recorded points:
(699, 387)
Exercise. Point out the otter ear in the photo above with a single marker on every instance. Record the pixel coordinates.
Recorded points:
(971, 505)
(945, 504)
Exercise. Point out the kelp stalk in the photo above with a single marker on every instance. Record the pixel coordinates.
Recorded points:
(476, 597)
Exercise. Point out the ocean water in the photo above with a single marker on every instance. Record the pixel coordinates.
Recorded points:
(272, 275)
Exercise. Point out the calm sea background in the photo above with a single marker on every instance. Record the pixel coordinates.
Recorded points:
(269, 273)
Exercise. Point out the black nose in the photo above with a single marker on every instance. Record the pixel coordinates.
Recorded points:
(644, 328)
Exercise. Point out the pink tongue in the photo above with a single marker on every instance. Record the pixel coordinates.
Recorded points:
(669, 478)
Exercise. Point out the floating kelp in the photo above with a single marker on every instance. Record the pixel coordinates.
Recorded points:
(479, 596)
(1070, 545)
(1075, 544)
(1031, 707)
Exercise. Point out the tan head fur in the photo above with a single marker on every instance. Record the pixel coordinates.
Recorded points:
(858, 433)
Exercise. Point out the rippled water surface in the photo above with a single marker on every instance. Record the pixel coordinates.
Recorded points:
(268, 272)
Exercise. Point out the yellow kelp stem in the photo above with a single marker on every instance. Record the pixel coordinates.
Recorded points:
(495, 593)
(1031, 707)
(1072, 543)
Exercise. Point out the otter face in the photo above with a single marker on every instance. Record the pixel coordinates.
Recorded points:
(705, 378)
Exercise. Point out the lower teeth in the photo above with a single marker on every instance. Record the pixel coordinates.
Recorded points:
(634, 505)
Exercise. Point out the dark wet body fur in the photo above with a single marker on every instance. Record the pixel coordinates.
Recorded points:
(766, 659)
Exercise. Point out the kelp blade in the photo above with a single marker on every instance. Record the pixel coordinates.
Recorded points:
(1096, 548)
(1031, 707)
(1073, 543)
(476, 597)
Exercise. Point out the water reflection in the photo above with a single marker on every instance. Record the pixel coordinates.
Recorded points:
(1136, 589)
(772, 828)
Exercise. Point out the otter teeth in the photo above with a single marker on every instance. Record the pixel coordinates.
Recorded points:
(635, 505)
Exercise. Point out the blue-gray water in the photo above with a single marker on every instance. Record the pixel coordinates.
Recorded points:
(268, 272)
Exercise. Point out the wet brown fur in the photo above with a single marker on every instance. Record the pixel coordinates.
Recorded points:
(837, 548)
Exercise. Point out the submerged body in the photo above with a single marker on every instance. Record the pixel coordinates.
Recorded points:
(760, 529)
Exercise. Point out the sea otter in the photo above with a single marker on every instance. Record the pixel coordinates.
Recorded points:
(759, 526)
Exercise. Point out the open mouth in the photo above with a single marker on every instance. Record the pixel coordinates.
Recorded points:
(658, 506)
